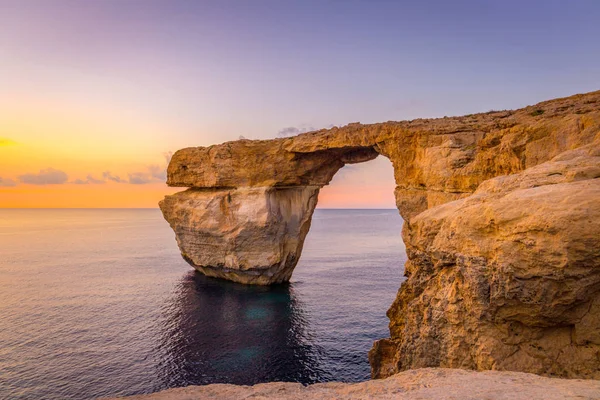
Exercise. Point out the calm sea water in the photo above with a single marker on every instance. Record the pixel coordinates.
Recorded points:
(99, 303)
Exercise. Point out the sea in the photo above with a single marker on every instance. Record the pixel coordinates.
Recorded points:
(98, 303)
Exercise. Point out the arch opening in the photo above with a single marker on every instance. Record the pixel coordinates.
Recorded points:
(351, 266)
(368, 185)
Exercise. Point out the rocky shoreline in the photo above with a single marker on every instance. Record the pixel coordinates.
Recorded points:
(426, 383)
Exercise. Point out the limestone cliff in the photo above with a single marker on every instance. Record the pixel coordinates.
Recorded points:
(507, 278)
(501, 217)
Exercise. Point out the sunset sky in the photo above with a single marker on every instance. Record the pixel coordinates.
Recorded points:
(96, 95)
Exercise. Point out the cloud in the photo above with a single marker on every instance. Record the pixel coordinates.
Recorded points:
(49, 176)
(6, 182)
(139, 178)
(107, 175)
(296, 130)
(7, 142)
(153, 173)
(89, 180)
(293, 131)
(158, 172)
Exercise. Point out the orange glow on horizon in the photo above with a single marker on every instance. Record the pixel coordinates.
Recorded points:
(109, 195)
(115, 195)
(83, 141)
(347, 196)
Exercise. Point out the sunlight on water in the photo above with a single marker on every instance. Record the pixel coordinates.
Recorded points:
(100, 303)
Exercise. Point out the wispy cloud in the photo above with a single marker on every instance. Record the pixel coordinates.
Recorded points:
(153, 173)
(296, 130)
(89, 180)
(139, 178)
(6, 182)
(293, 131)
(157, 172)
(107, 175)
(49, 176)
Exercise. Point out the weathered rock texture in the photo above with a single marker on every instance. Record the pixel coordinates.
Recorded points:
(507, 278)
(502, 229)
(251, 235)
(429, 383)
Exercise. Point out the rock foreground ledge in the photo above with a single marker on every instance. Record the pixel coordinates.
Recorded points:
(502, 229)
(428, 383)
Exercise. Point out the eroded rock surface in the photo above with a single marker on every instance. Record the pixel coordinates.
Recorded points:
(427, 383)
(501, 226)
(507, 278)
(249, 235)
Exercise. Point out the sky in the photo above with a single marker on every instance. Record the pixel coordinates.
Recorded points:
(96, 95)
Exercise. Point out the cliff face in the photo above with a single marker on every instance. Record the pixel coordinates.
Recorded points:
(501, 227)
(507, 278)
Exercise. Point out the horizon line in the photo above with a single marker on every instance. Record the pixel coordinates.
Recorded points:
(157, 208)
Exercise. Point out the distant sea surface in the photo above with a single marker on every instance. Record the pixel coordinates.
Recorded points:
(100, 303)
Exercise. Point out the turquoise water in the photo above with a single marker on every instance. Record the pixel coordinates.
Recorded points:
(99, 303)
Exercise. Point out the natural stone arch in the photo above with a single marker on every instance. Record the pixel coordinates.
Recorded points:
(250, 234)
(507, 276)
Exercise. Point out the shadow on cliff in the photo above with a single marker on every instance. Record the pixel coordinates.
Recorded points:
(221, 332)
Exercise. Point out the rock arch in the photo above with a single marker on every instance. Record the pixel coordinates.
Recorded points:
(506, 278)
(251, 233)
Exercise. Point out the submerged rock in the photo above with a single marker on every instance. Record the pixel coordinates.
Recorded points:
(502, 229)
